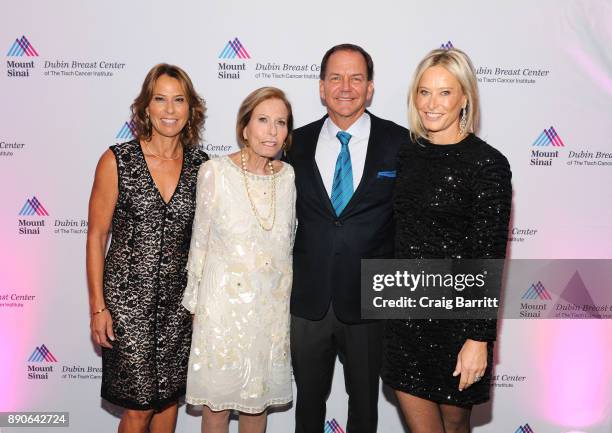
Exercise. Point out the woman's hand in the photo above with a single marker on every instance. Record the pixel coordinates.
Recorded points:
(102, 329)
(471, 363)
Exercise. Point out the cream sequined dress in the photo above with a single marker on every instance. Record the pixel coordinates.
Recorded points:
(238, 287)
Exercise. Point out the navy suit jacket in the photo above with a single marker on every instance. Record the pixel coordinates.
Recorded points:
(329, 248)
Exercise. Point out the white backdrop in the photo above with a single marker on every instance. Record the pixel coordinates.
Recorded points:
(66, 87)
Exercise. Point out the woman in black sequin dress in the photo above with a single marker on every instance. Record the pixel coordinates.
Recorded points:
(453, 197)
(145, 190)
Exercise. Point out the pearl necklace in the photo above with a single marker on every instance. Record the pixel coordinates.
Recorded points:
(272, 212)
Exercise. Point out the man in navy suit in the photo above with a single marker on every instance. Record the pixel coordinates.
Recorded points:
(345, 174)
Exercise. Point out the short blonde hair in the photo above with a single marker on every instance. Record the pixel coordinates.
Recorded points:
(460, 66)
(255, 98)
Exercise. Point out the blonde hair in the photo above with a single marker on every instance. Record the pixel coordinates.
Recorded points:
(460, 66)
(255, 98)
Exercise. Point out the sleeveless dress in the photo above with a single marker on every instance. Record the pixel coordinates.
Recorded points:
(451, 201)
(144, 280)
(239, 288)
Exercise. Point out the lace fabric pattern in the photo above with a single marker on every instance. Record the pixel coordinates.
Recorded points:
(144, 281)
(239, 284)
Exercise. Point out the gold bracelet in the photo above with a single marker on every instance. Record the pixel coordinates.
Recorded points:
(98, 312)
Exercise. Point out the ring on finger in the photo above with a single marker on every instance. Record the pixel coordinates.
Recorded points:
(477, 378)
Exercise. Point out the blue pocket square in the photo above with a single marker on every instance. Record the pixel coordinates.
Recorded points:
(383, 174)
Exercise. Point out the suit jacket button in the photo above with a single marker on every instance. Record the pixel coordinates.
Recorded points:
(338, 223)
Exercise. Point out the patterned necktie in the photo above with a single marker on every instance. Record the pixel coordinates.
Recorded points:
(342, 187)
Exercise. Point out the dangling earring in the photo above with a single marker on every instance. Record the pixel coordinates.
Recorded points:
(463, 121)
(148, 124)
(186, 131)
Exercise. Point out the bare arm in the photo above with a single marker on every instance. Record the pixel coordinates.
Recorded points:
(102, 201)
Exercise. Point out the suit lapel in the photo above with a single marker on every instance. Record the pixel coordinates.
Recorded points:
(317, 180)
(373, 155)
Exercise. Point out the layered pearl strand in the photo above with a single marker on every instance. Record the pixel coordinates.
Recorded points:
(263, 222)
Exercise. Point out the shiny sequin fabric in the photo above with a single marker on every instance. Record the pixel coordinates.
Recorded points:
(451, 201)
(144, 280)
(238, 288)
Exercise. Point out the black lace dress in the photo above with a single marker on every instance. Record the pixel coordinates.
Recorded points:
(451, 201)
(144, 279)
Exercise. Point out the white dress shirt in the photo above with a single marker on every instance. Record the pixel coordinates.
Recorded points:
(328, 148)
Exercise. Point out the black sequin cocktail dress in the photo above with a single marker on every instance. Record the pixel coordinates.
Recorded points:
(452, 201)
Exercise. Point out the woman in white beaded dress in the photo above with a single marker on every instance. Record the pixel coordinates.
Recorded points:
(240, 271)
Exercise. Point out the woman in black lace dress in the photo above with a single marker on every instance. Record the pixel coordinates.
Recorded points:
(453, 197)
(145, 191)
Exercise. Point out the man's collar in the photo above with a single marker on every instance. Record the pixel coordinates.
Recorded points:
(359, 129)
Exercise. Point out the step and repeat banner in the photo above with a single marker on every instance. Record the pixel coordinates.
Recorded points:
(70, 70)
